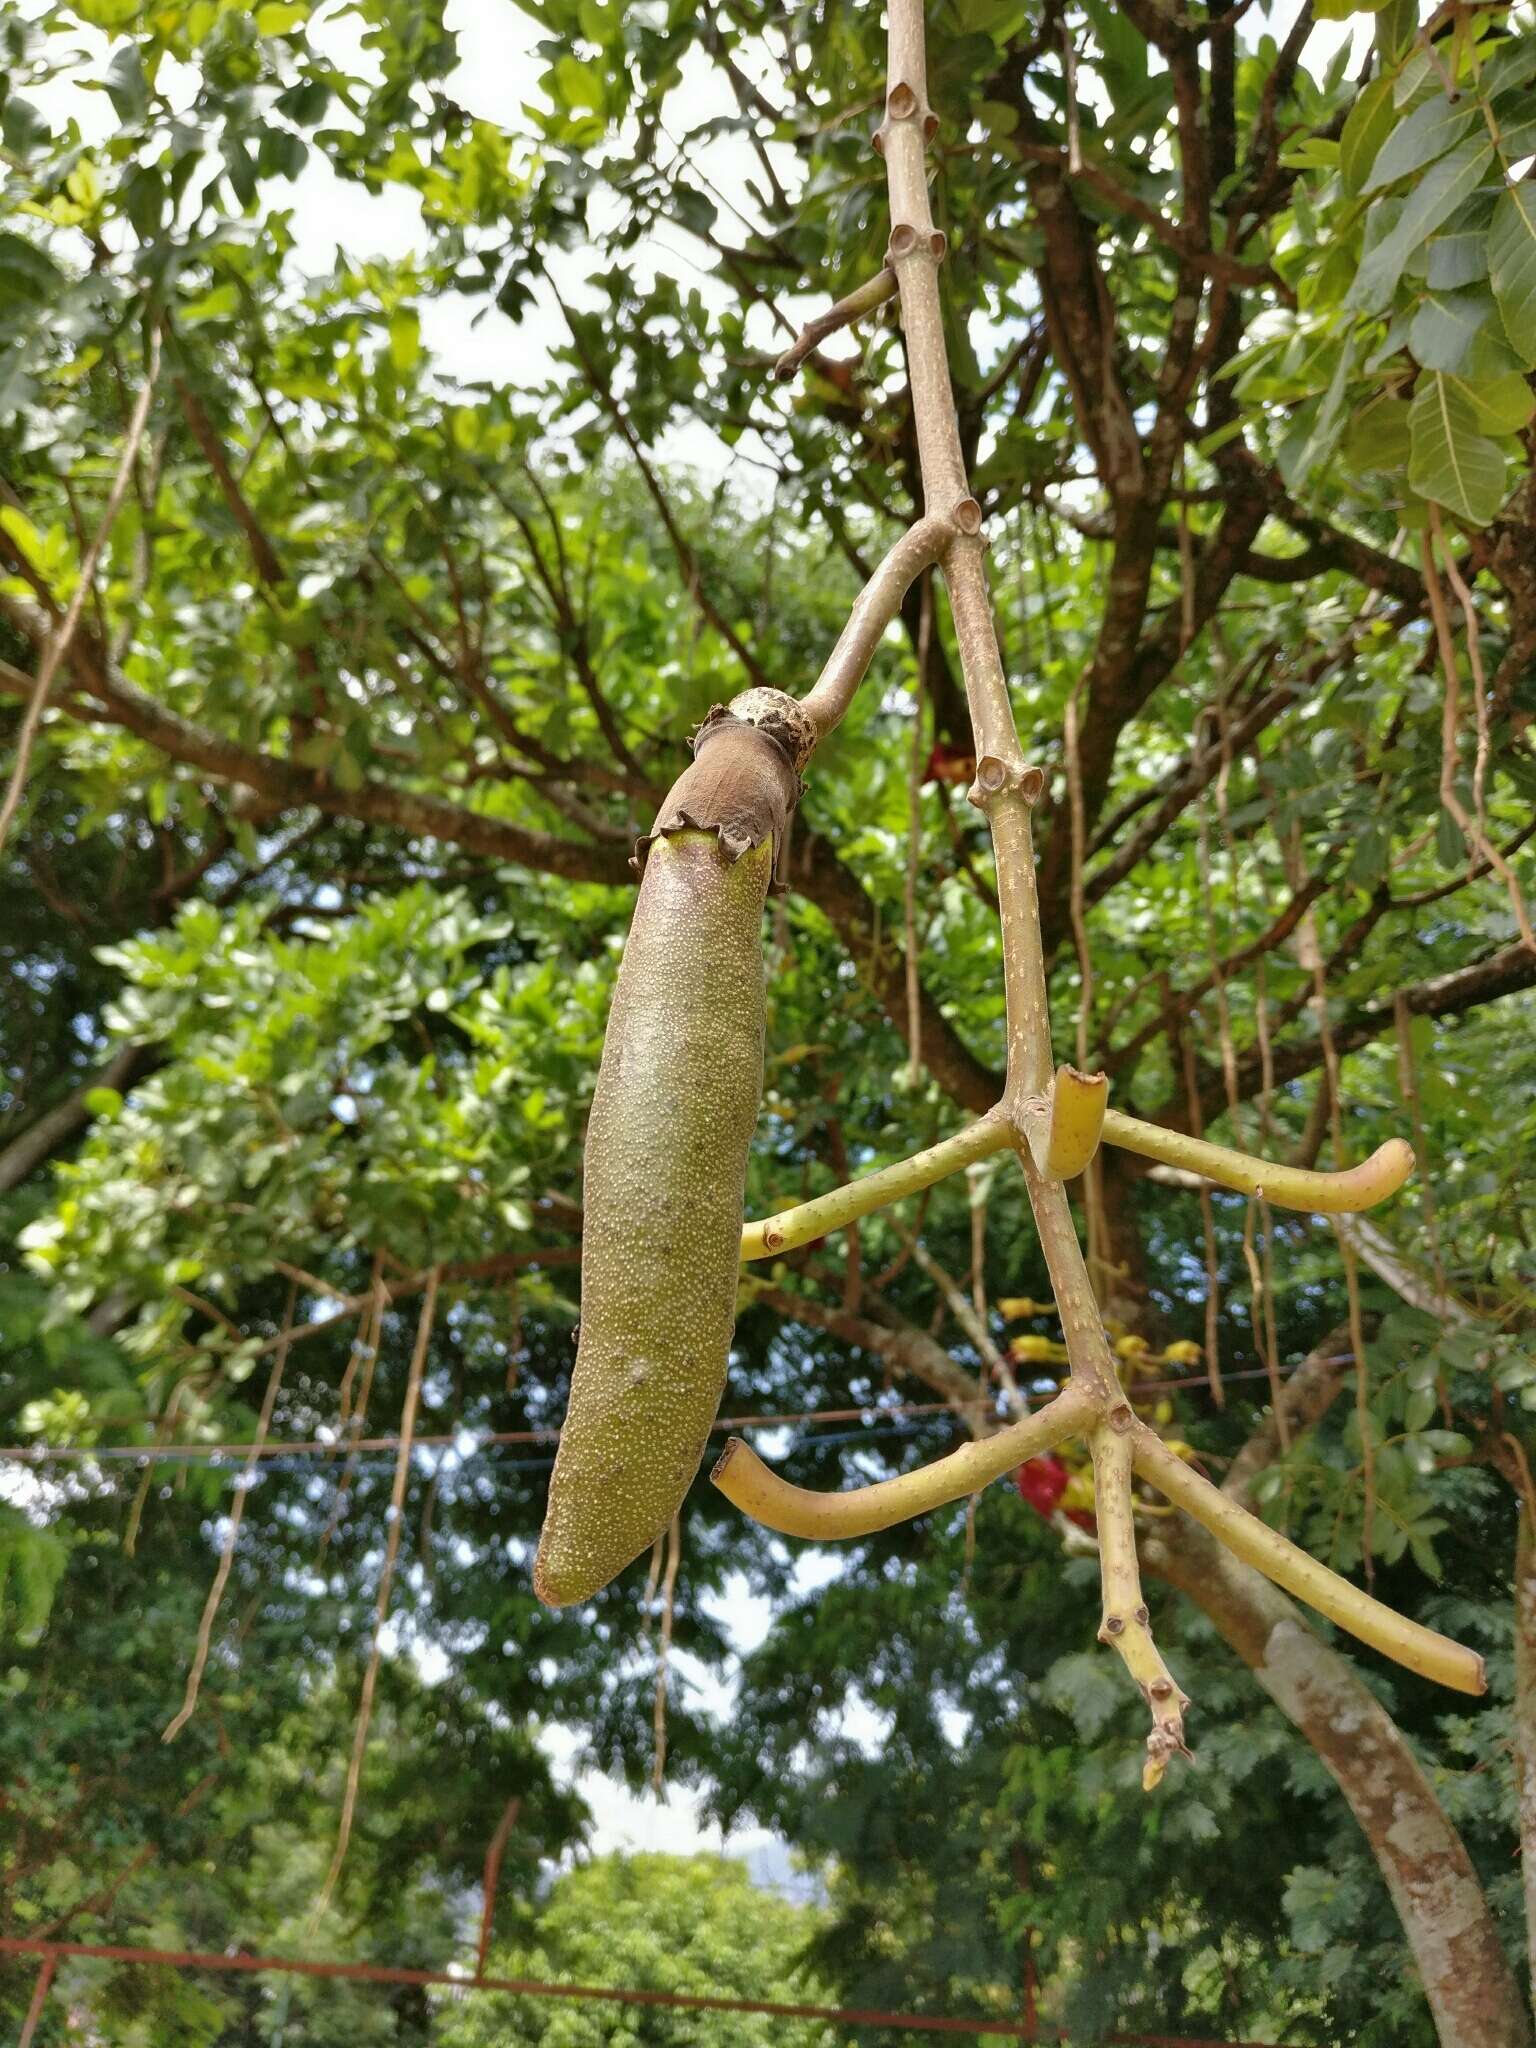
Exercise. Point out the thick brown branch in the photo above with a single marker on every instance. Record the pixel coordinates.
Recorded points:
(1442, 995)
(287, 784)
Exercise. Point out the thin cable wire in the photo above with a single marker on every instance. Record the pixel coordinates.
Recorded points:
(287, 1455)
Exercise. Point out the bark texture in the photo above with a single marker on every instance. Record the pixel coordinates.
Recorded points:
(1471, 1990)
(1525, 1723)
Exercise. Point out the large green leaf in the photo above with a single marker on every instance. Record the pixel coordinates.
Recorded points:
(1452, 460)
(1503, 404)
(1511, 64)
(1436, 197)
(1457, 257)
(28, 275)
(1445, 326)
(1422, 139)
(1512, 266)
(1371, 120)
(1378, 438)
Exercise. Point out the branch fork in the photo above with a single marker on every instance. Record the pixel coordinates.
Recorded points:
(1053, 1121)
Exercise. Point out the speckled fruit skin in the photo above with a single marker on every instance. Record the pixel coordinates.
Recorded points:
(677, 1098)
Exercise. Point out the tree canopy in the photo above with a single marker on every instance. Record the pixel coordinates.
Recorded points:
(317, 883)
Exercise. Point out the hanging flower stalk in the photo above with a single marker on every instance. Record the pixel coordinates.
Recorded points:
(648, 1377)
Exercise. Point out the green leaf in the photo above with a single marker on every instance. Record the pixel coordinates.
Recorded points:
(1512, 266)
(127, 87)
(1456, 258)
(1417, 73)
(1379, 437)
(108, 14)
(1503, 404)
(405, 340)
(1517, 136)
(1452, 461)
(1419, 140)
(282, 154)
(22, 127)
(1443, 329)
(103, 1102)
(1512, 63)
(1321, 435)
(275, 18)
(574, 84)
(28, 275)
(1371, 120)
(1434, 199)
(1396, 25)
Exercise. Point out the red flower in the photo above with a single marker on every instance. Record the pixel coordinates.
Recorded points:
(1042, 1481)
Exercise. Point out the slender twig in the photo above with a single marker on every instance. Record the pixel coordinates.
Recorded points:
(492, 1873)
(1125, 1625)
(1405, 1642)
(974, 1323)
(1408, 1089)
(39, 1999)
(1471, 828)
(1288, 1187)
(59, 640)
(396, 1519)
(1310, 954)
(826, 703)
(232, 1534)
(807, 1221)
(663, 1654)
(865, 299)
(1207, 1230)
(746, 1481)
(915, 842)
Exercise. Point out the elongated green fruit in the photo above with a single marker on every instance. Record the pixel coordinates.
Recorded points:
(677, 1098)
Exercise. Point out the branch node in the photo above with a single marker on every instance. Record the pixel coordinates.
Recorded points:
(938, 245)
(996, 777)
(903, 241)
(1063, 1126)
(901, 103)
(782, 717)
(967, 516)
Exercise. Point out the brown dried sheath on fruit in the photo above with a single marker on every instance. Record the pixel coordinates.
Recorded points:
(677, 1098)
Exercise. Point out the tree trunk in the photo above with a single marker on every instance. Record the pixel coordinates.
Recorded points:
(1471, 1991)
(55, 1127)
(1525, 1722)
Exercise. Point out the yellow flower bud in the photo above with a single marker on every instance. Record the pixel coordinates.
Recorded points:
(1038, 1350)
(1078, 1492)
